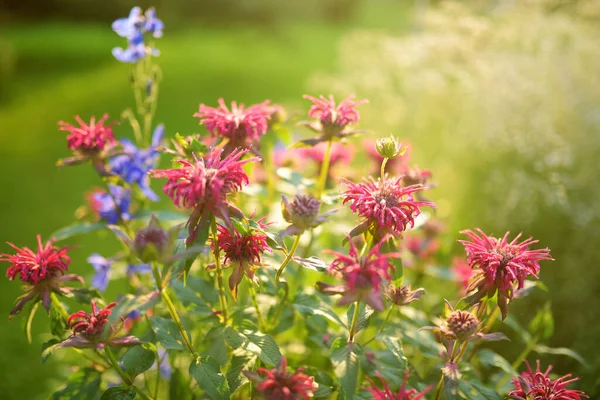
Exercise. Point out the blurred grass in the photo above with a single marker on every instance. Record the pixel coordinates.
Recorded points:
(63, 69)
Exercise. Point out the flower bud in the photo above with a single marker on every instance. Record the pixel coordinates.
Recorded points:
(389, 147)
(151, 243)
(302, 211)
(462, 325)
(403, 295)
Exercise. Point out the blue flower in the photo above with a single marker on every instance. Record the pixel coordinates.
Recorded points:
(138, 269)
(102, 267)
(133, 28)
(152, 24)
(134, 165)
(131, 54)
(129, 27)
(104, 204)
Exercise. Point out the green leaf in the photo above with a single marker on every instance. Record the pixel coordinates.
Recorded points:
(76, 229)
(130, 303)
(139, 359)
(491, 359)
(240, 361)
(344, 359)
(207, 372)
(119, 393)
(262, 345)
(394, 345)
(475, 390)
(311, 305)
(83, 384)
(542, 325)
(58, 322)
(363, 316)
(452, 377)
(48, 348)
(167, 333)
(562, 351)
(27, 322)
(190, 299)
(85, 295)
(312, 263)
(179, 388)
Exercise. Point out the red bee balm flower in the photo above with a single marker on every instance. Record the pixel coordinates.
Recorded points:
(242, 251)
(240, 125)
(279, 384)
(500, 265)
(385, 205)
(334, 118)
(205, 185)
(387, 394)
(535, 385)
(92, 138)
(90, 325)
(43, 272)
(363, 276)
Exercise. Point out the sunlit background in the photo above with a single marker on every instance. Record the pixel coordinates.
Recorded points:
(500, 99)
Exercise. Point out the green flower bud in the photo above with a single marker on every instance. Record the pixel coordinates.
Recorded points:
(389, 147)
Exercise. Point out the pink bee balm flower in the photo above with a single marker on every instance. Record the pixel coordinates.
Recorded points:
(242, 251)
(92, 138)
(340, 154)
(90, 325)
(241, 125)
(333, 117)
(204, 186)
(404, 393)
(279, 384)
(363, 276)
(535, 385)
(43, 271)
(385, 205)
(500, 265)
(462, 272)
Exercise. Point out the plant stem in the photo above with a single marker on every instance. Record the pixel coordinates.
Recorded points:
(288, 258)
(222, 297)
(261, 321)
(354, 321)
(126, 379)
(491, 319)
(385, 160)
(172, 310)
(158, 362)
(438, 388)
(382, 327)
(324, 170)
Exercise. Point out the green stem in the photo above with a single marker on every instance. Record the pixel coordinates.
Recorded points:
(126, 379)
(259, 317)
(324, 170)
(385, 160)
(491, 319)
(92, 359)
(219, 269)
(156, 386)
(354, 322)
(382, 327)
(288, 258)
(438, 388)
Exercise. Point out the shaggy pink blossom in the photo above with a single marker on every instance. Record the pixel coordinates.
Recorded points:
(92, 138)
(385, 205)
(334, 118)
(363, 276)
(205, 184)
(340, 153)
(279, 384)
(243, 251)
(241, 125)
(537, 385)
(500, 265)
(90, 325)
(43, 271)
(404, 393)
(462, 272)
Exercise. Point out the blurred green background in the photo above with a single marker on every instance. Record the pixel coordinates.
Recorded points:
(55, 62)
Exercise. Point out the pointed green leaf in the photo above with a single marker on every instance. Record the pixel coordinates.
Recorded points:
(207, 372)
(76, 229)
(139, 359)
(119, 393)
(344, 358)
(312, 263)
(311, 305)
(167, 333)
(83, 384)
(240, 361)
(260, 344)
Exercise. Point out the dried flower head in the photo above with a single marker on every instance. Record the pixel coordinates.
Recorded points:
(402, 295)
(385, 205)
(302, 212)
(279, 384)
(404, 393)
(537, 385)
(241, 125)
(363, 276)
(332, 117)
(501, 265)
(205, 184)
(43, 272)
(461, 325)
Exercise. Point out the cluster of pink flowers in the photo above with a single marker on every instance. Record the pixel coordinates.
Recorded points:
(205, 185)
(403, 394)
(385, 205)
(500, 265)
(279, 384)
(334, 117)
(537, 385)
(89, 138)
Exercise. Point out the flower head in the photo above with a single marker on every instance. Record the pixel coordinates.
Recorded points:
(333, 118)
(387, 394)
(102, 267)
(394, 166)
(205, 185)
(402, 295)
(537, 385)
(88, 141)
(461, 325)
(462, 272)
(302, 212)
(134, 165)
(242, 250)
(389, 147)
(385, 205)
(43, 272)
(340, 153)
(133, 28)
(363, 276)
(279, 384)
(241, 125)
(103, 204)
(90, 325)
(500, 265)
